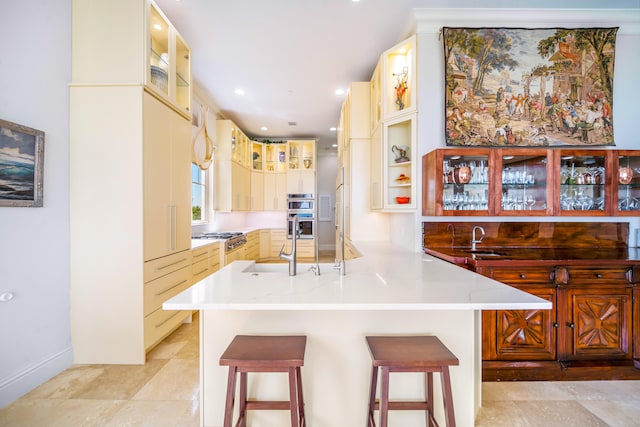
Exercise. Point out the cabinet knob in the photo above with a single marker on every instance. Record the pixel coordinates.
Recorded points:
(598, 276)
(571, 325)
(555, 325)
(523, 276)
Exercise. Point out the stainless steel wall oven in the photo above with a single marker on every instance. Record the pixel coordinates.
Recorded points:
(302, 205)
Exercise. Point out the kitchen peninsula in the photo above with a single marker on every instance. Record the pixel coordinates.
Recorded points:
(389, 290)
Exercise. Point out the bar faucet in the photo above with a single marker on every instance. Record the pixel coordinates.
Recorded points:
(474, 239)
(291, 257)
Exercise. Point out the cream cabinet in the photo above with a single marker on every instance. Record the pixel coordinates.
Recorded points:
(205, 261)
(257, 191)
(399, 171)
(265, 244)
(147, 49)
(233, 175)
(167, 195)
(275, 191)
(275, 157)
(278, 240)
(301, 182)
(301, 154)
(129, 178)
(398, 90)
(252, 247)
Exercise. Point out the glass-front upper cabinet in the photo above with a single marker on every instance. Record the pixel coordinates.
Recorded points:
(169, 61)
(626, 182)
(302, 154)
(457, 182)
(275, 155)
(257, 156)
(582, 176)
(524, 183)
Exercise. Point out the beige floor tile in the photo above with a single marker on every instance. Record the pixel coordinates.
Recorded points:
(615, 413)
(67, 383)
(558, 413)
(500, 413)
(59, 413)
(178, 380)
(166, 350)
(522, 390)
(120, 382)
(156, 413)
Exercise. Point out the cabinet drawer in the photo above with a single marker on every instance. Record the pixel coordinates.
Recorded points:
(199, 254)
(593, 276)
(524, 275)
(158, 291)
(200, 270)
(161, 323)
(165, 265)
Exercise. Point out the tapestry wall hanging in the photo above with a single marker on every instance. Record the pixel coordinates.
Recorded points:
(529, 87)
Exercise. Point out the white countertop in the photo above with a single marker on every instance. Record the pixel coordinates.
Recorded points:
(385, 278)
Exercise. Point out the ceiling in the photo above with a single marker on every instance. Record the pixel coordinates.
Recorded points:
(290, 56)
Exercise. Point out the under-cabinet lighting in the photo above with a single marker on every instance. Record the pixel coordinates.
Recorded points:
(157, 26)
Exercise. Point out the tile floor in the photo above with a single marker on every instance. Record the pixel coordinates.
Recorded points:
(165, 392)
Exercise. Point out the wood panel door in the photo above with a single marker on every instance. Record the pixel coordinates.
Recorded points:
(521, 334)
(598, 323)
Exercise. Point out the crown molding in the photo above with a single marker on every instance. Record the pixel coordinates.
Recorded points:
(432, 20)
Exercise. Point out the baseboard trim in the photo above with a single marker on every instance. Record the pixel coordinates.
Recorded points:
(27, 379)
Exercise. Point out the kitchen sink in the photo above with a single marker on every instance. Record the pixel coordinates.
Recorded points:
(283, 268)
(485, 253)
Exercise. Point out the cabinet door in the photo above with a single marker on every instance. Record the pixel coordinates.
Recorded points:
(301, 182)
(181, 182)
(524, 183)
(527, 334)
(257, 191)
(458, 182)
(377, 175)
(598, 323)
(241, 187)
(158, 210)
(582, 176)
(521, 334)
(275, 191)
(626, 183)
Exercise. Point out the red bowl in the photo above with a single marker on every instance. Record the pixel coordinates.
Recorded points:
(403, 200)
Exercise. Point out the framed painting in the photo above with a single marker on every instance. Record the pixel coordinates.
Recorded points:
(21, 165)
(529, 87)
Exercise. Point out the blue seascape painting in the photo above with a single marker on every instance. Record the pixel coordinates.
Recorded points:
(17, 165)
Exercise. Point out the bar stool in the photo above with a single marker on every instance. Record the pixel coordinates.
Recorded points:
(410, 354)
(247, 354)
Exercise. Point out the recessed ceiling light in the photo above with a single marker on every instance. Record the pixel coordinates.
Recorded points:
(334, 145)
(339, 91)
(157, 26)
(239, 92)
(332, 129)
(263, 128)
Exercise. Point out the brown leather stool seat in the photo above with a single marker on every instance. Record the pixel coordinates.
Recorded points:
(248, 353)
(410, 354)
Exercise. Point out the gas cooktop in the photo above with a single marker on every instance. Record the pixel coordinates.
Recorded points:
(219, 235)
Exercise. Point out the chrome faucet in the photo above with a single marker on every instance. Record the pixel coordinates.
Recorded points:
(474, 239)
(291, 257)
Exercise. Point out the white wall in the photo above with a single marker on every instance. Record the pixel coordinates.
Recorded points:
(35, 68)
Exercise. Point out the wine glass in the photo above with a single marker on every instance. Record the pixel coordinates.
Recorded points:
(530, 201)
